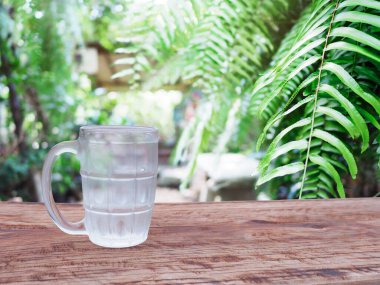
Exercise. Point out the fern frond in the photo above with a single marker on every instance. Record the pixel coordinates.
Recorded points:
(154, 34)
(315, 78)
(225, 67)
(220, 49)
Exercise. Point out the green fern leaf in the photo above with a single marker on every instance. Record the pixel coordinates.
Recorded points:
(350, 82)
(339, 100)
(281, 171)
(338, 144)
(340, 118)
(358, 17)
(330, 170)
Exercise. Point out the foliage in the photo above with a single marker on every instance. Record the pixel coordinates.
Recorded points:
(320, 98)
(312, 80)
(156, 111)
(155, 36)
(221, 52)
(37, 43)
(40, 89)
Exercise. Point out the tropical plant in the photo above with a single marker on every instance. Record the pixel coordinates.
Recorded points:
(320, 98)
(37, 41)
(220, 48)
(40, 89)
(154, 36)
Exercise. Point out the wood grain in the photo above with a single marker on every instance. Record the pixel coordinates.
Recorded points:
(277, 242)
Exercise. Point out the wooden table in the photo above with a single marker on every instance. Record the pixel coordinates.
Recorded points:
(277, 242)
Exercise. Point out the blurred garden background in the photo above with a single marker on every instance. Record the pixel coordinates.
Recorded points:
(284, 90)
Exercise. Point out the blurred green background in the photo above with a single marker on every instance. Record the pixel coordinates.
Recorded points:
(208, 74)
(57, 58)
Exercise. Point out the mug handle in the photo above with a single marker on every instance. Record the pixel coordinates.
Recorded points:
(66, 226)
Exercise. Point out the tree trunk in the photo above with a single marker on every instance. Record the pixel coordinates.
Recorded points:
(36, 104)
(6, 67)
(14, 104)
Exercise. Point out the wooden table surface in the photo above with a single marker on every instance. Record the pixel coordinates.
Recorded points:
(277, 242)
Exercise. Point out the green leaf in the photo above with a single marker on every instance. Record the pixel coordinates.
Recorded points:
(302, 52)
(324, 187)
(331, 126)
(277, 139)
(267, 157)
(335, 162)
(278, 117)
(358, 17)
(305, 64)
(123, 73)
(350, 82)
(268, 77)
(310, 195)
(355, 116)
(371, 118)
(363, 3)
(353, 48)
(322, 194)
(366, 73)
(331, 171)
(311, 34)
(125, 60)
(356, 35)
(338, 144)
(341, 119)
(281, 171)
(329, 148)
(290, 146)
(285, 148)
(326, 180)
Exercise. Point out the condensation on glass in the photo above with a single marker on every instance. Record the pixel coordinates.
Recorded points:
(119, 170)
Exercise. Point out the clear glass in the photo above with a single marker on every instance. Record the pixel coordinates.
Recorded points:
(119, 170)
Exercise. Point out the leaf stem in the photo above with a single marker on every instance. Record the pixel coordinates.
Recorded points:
(316, 97)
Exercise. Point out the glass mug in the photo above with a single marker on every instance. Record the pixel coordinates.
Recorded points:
(118, 170)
